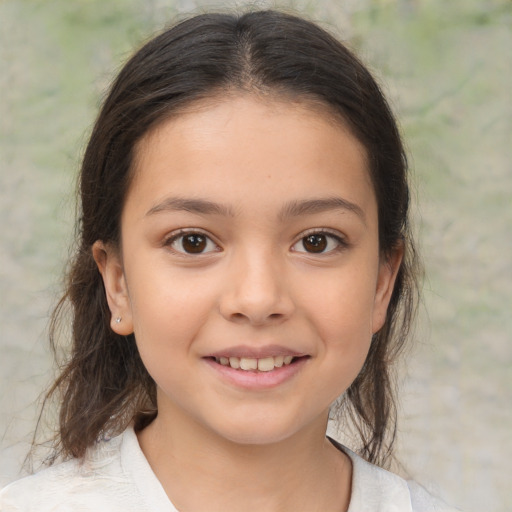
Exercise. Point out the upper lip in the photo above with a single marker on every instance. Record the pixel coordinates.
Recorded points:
(256, 352)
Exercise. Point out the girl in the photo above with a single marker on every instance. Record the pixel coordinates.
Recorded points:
(244, 260)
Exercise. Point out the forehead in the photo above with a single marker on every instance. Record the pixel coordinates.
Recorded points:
(222, 106)
(227, 144)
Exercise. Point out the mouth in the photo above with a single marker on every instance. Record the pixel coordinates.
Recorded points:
(257, 370)
(264, 364)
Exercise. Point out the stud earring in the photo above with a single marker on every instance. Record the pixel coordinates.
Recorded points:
(118, 320)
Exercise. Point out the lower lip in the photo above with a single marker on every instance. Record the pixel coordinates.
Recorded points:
(256, 380)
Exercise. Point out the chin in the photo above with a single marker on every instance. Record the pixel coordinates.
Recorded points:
(259, 432)
(257, 438)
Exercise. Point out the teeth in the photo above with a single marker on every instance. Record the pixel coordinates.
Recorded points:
(265, 364)
(248, 364)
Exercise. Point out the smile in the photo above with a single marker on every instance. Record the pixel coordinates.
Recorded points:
(257, 372)
(265, 364)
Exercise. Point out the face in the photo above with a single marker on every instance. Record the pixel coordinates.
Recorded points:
(249, 268)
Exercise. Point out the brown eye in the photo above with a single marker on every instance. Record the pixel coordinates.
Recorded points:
(319, 243)
(193, 243)
(315, 243)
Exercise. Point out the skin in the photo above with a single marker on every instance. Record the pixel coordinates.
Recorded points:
(255, 285)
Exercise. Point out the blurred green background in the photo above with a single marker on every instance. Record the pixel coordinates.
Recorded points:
(447, 69)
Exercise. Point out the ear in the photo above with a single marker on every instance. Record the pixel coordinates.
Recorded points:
(388, 270)
(110, 266)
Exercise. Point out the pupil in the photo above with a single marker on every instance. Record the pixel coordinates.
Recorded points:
(315, 243)
(194, 243)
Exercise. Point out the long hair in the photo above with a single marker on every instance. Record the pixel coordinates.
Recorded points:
(103, 386)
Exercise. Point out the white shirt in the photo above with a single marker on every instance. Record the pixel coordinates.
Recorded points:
(116, 477)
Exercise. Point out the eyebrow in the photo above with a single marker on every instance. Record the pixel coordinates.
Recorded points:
(312, 206)
(199, 206)
(292, 209)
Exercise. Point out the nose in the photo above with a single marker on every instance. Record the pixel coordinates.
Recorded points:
(257, 292)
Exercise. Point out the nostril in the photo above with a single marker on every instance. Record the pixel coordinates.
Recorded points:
(254, 309)
(238, 316)
(241, 317)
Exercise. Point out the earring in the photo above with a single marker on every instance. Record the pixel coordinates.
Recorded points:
(118, 320)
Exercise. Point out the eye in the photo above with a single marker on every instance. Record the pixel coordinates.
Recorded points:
(192, 243)
(319, 243)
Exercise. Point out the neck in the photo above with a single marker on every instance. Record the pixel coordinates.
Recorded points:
(200, 470)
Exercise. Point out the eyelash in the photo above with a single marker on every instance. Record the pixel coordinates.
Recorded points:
(181, 234)
(340, 241)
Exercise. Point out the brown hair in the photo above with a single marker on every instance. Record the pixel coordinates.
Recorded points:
(104, 385)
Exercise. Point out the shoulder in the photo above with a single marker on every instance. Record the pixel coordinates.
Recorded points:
(423, 501)
(96, 482)
(376, 490)
(46, 489)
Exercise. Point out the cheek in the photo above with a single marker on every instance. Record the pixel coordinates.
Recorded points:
(340, 310)
(165, 325)
(168, 308)
(342, 302)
